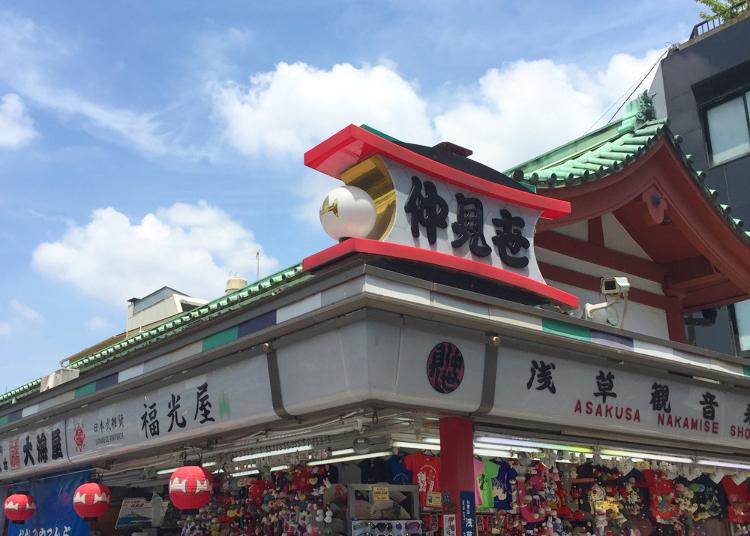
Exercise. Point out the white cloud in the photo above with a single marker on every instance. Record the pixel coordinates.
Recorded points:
(16, 127)
(29, 55)
(97, 323)
(529, 107)
(190, 247)
(24, 311)
(286, 111)
(18, 316)
(514, 112)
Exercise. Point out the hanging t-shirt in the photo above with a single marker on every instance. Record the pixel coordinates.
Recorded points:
(502, 487)
(399, 474)
(425, 474)
(375, 470)
(685, 497)
(580, 487)
(489, 473)
(478, 471)
(738, 496)
(331, 473)
(633, 491)
(664, 504)
(710, 498)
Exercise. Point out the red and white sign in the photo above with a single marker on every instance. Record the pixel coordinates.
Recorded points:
(443, 216)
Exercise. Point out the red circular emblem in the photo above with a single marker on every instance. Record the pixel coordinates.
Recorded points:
(445, 367)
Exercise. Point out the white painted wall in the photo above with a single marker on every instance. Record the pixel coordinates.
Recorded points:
(579, 230)
(617, 238)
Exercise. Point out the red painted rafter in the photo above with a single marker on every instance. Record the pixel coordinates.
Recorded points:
(586, 251)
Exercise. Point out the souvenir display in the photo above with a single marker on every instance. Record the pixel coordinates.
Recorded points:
(537, 493)
(607, 498)
(296, 502)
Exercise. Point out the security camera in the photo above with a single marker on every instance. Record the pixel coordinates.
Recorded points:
(611, 286)
(615, 285)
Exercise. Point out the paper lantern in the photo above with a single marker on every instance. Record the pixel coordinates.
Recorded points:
(19, 507)
(91, 500)
(348, 212)
(189, 487)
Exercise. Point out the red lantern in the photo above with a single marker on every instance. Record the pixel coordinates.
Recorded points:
(91, 500)
(189, 487)
(19, 507)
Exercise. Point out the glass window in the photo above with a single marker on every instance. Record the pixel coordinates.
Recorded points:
(728, 130)
(717, 334)
(742, 316)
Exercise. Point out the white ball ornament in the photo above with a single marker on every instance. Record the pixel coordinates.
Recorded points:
(347, 212)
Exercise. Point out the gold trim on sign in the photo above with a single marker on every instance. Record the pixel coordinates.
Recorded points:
(372, 176)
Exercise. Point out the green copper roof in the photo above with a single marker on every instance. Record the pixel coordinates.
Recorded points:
(610, 149)
(272, 284)
(593, 157)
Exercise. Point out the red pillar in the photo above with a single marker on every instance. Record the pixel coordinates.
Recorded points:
(675, 320)
(456, 461)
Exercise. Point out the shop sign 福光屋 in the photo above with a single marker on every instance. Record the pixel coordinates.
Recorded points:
(232, 395)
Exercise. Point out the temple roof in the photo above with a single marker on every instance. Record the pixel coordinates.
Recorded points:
(609, 150)
(635, 170)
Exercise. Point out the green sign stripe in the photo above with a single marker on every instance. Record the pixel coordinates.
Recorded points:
(746, 370)
(86, 390)
(217, 339)
(3, 420)
(566, 329)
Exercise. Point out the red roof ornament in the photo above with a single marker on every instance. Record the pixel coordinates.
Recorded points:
(436, 208)
(91, 500)
(190, 487)
(19, 507)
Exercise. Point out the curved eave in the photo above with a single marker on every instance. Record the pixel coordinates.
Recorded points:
(693, 207)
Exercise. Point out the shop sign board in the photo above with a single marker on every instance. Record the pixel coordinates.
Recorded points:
(468, 514)
(380, 493)
(469, 219)
(449, 524)
(33, 449)
(135, 513)
(226, 398)
(606, 397)
(434, 215)
(180, 409)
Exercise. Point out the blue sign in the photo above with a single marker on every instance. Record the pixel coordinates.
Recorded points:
(54, 508)
(468, 514)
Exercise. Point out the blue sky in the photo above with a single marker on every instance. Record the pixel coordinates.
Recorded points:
(153, 143)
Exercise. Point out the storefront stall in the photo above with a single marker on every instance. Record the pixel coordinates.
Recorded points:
(418, 377)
